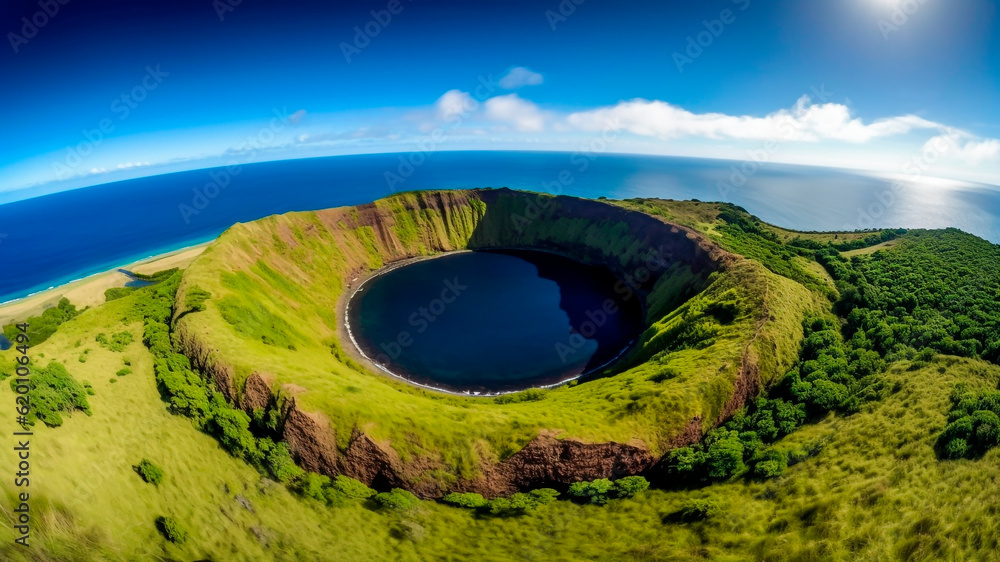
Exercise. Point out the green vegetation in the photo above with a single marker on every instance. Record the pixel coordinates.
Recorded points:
(974, 427)
(602, 490)
(116, 293)
(520, 503)
(468, 500)
(149, 472)
(272, 278)
(42, 326)
(397, 499)
(936, 290)
(117, 343)
(875, 439)
(171, 529)
(53, 392)
(195, 300)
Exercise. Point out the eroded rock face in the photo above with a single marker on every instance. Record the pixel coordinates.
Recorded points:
(311, 441)
(202, 357)
(257, 393)
(547, 461)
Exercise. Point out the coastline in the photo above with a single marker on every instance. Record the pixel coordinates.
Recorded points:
(89, 290)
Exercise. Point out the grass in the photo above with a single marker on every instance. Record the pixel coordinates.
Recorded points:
(251, 318)
(872, 249)
(90, 504)
(875, 491)
(871, 487)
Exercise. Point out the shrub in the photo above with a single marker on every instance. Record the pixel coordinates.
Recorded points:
(351, 488)
(123, 372)
(195, 299)
(530, 395)
(597, 492)
(310, 485)
(278, 461)
(771, 465)
(724, 457)
(468, 500)
(116, 293)
(117, 343)
(521, 503)
(149, 472)
(686, 463)
(629, 486)
(397, 499)
(41, 327)
(699, 509)
(334, 497)
(53, 391)
(232, 427)
(969, 436)
(171, 529)
(542, 496)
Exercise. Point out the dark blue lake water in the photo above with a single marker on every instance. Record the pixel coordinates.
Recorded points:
(493, 321)
(50, 240)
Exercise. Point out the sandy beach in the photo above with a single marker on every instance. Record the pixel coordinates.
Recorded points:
(90, 290)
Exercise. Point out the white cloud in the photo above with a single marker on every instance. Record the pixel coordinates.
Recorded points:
(454, 103)
(296, 117)
(128, 165)
(518, 77)
(964, 147)
(511, 109)
(806, 121)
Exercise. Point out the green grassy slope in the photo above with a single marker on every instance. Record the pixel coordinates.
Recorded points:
(90, 504)
(288, 273)
(870, 488)
(874, 492)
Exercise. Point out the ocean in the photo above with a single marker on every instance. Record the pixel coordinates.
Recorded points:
(51, 240)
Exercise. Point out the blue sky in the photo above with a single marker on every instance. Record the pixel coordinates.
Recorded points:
(890, 86)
